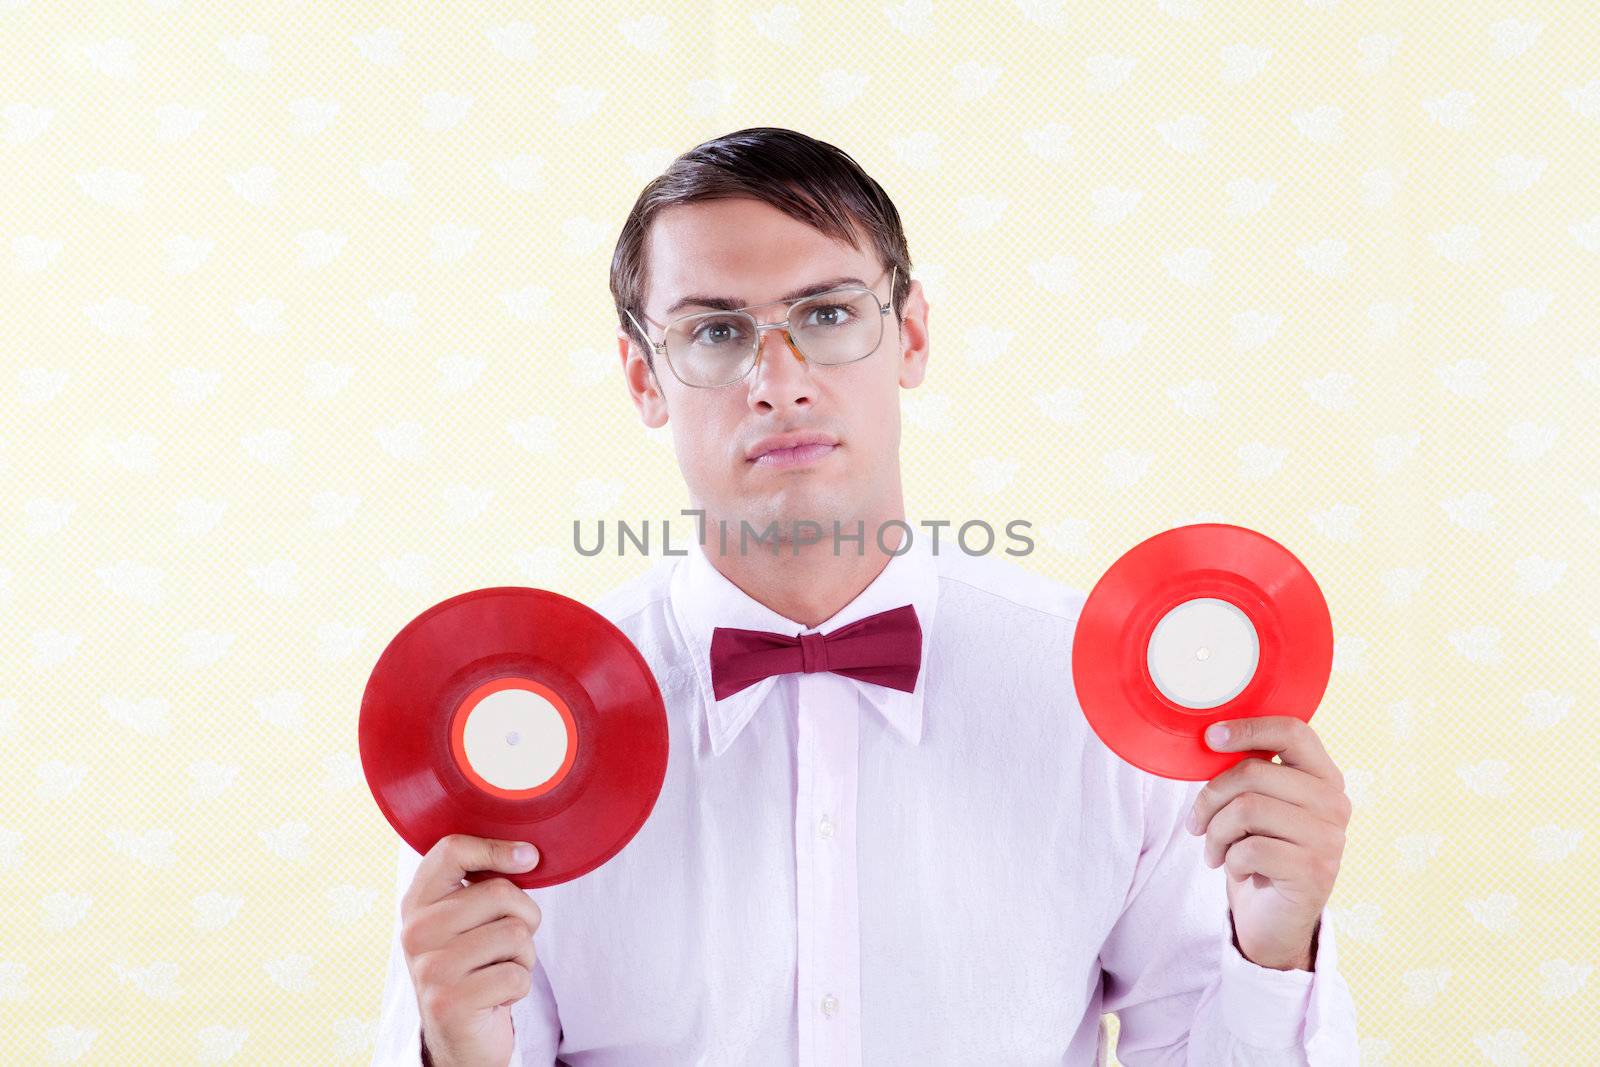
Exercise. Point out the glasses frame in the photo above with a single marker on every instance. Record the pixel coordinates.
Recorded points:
(660, 347)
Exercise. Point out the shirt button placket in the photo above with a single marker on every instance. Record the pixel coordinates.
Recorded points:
(830, 704)
(829, 1003)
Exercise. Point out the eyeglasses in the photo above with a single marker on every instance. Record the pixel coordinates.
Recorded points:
(716, 348)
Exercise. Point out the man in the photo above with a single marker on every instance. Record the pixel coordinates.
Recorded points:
(944, 866)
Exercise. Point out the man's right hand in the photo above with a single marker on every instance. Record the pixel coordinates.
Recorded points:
(469, 949)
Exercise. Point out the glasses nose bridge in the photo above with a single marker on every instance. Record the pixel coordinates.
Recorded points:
(790, 342)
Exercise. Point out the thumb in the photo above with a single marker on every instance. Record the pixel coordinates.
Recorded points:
(458, 856)
(515, 855)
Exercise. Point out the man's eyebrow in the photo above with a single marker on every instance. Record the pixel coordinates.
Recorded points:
(732, 303)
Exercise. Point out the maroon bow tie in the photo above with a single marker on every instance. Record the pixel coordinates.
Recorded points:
(885, 649)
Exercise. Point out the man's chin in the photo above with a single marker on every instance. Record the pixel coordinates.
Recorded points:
(787, 514)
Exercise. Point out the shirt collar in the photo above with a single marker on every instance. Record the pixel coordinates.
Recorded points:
(703, 598)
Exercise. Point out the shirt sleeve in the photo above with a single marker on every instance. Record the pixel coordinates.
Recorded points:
(1183, 994)
(535, 1026)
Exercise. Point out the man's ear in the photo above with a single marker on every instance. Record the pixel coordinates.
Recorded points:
(643, 385)
(913, 341)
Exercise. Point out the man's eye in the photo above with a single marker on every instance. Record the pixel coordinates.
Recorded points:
(831, 315)
(717, 333)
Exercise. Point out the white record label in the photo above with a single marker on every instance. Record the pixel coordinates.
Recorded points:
(1203, 653)
(515, 739)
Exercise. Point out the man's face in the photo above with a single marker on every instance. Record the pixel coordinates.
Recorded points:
(752, 252)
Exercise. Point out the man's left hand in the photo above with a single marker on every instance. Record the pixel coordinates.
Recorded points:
(1279, 830)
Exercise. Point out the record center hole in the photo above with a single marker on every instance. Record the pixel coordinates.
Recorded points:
(515, 739)
(1203, 653)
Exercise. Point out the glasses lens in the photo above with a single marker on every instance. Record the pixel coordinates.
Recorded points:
(711, 349)
(837, 327)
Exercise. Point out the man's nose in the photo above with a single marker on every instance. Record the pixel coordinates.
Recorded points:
(780, 369)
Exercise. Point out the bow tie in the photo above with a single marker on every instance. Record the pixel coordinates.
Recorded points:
(885, 649)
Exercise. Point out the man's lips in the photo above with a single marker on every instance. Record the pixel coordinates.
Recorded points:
(793, 457)
(788, 442)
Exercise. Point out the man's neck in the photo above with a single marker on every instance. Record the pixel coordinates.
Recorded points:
(811, 584)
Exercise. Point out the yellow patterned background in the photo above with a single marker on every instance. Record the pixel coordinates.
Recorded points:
(306, 327)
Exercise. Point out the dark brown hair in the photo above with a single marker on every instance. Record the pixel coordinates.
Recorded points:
(806, 179)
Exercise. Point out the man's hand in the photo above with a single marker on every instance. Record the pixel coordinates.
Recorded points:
(469, 948)
(1279, 830)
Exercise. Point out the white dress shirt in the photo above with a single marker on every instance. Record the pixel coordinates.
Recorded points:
(839, 873)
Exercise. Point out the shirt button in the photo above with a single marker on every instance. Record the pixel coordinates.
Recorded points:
(824, 827)
(830, 1004)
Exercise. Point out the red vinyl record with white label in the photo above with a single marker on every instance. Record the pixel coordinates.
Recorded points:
(1195, 625)
(519, 714)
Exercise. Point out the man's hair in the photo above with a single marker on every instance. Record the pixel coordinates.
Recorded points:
(805, 178)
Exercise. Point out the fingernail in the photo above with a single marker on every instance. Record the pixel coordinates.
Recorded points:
(1194, 821)
(523, 854)
(1216, 734)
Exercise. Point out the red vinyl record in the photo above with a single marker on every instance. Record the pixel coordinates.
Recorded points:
(519, 714)
(1198, 624)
